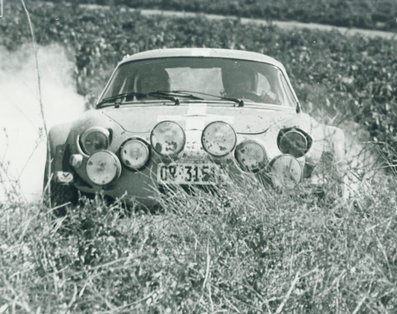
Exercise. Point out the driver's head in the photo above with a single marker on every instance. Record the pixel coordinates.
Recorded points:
(153, 81)
(239, 78)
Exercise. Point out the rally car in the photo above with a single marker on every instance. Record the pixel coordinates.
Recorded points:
(189, 117)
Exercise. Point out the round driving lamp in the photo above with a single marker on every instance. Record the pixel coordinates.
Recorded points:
(134, 154)
(251, 156)
(103, 167)
(95, 139)
(218, 138)
(167, 138)
(286, 172)
(293, 142)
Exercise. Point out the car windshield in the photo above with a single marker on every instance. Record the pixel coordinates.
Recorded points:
(205, 77)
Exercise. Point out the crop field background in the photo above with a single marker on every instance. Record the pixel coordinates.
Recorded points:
(371, 14)
(247, 250)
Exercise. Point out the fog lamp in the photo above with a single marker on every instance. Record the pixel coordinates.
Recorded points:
(167, 138)
(103, 167)
(293, 142)
(286, 172)
(134, 153)
(251, 156)
(218, 138)
(95, 139)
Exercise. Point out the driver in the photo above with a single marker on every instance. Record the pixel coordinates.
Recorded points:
(242, 82)
(239, 81)
(153, 81)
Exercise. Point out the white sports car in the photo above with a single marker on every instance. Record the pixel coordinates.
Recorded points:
(191, 116)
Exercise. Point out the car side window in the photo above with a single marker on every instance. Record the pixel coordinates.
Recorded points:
(287, 90)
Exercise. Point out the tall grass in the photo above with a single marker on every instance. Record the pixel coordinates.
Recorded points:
(243, 250)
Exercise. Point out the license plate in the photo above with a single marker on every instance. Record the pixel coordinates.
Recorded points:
(187, 173)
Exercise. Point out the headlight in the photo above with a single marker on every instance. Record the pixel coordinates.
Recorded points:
(103, 167)
(95, 139)
(218, 138)
(286, 171)
(134, 153)
(293, 142)
(251, 156)
(167, 138)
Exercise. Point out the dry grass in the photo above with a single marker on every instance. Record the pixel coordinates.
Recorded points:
(247, 250)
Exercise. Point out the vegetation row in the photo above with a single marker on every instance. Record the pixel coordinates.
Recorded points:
(378, 14)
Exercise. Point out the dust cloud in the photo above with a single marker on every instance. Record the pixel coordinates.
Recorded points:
(22, 136)
(365, 166)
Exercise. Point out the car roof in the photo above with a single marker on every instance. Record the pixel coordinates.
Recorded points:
(203, 52)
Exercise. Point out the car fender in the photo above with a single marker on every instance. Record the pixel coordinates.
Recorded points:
(56, 147)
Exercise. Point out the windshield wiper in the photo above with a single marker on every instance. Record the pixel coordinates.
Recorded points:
(117, 99)
(120, 98)
(238, 101)
(169, 95)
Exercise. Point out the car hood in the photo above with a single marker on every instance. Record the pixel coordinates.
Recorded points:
(249, 119)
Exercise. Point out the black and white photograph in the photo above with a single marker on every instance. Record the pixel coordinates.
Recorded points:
(198, 156)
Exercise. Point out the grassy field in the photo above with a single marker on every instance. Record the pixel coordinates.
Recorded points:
(247, 250)
(230, 254)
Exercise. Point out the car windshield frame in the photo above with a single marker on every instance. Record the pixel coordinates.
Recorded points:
(290, 98)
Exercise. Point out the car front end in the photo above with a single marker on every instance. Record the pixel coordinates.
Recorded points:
(201, 132)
